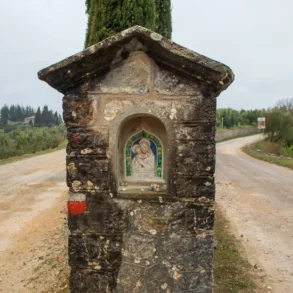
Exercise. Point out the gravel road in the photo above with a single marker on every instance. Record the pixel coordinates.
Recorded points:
(257, 198)
(32, 224)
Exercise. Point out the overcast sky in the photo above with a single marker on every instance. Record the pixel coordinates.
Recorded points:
(253, 37)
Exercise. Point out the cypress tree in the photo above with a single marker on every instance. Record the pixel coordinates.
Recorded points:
(12, 113)
(4, 114)
(60, 120)
(38, 117)
(46, 116)
(163, 18)
(108, 17)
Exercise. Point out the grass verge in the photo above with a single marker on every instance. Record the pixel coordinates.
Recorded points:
(232, 272)
(26, 156)
(265, 151)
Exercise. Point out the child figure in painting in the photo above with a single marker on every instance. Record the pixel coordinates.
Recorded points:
(139, 157)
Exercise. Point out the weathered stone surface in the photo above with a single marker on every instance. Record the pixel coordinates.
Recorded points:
(99, 58)
(98, 252)
(178, 217)
(140, 110)
(199, 109)
(102, 216)
(199, 281)
(87, 173)
(166, 82)
(89, 281)
(77, 110)
(83, 141)
(194, 187)
(195, 132)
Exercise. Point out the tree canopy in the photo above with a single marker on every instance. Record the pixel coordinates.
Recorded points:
(17, 113)
(108, 17)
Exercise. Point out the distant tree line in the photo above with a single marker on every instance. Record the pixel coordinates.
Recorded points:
(279, 122)
(17, 113)
(230, 118)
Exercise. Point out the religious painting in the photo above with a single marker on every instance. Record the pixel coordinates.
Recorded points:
(144, 155)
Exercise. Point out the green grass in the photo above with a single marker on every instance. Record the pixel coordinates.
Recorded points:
(26, 156)
(269, 152)
(232, 272)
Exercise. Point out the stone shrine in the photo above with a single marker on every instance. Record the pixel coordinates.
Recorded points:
(140, 112)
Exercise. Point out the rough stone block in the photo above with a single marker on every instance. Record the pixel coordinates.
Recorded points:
(167, 82)
(83, 141)
(196, 132)
(198, 109)
(199, 281)
(88, 281)
(140, 249)
(171, 218)
(130, 278)
(194, 187)
(87, 173)
(158, 279)
(77, 110)
(188, 252)
(99, 252)
(195, 165)
(102, 216)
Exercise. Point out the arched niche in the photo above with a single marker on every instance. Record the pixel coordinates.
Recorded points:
(142, 146)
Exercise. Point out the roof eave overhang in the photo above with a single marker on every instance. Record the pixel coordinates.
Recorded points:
(101, 57)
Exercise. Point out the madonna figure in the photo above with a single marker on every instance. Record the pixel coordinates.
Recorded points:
(144, 160)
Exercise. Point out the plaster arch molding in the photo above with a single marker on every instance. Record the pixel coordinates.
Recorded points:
(141, 147)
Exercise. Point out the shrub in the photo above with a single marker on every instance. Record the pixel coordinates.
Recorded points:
(24, 140)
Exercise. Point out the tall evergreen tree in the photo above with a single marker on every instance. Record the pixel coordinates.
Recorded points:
(163, 18)
(12, 113)
(46, 116)
(19, 114)
(60, 120)
(38, 118)
(108, 17)
(4, 114)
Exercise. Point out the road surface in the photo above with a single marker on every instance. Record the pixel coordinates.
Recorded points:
(257, 198)
(32, 224)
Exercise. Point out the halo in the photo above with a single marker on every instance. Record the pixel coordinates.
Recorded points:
(145, 140)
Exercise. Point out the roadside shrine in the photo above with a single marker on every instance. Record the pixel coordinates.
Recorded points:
(140, 112)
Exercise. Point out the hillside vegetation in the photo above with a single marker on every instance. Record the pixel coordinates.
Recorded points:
(26, 140)
(26, 131)
(277, 145)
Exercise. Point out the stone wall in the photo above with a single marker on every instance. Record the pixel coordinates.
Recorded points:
(231, 133)
(137, 241)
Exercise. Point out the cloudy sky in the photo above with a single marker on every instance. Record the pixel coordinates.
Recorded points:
(253, 37)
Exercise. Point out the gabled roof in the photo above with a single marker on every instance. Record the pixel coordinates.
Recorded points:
(101, 57)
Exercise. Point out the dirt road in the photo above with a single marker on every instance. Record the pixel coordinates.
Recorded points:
(32, 218)
(257, 198)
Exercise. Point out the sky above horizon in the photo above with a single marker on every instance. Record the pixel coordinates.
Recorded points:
(254, 38)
